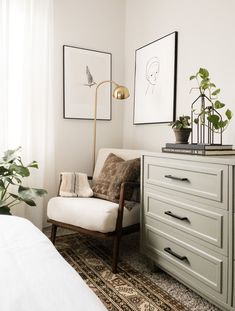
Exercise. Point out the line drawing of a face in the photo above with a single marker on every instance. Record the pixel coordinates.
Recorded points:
(152, 73)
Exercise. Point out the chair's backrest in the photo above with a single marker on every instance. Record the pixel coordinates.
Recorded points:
(125, 154)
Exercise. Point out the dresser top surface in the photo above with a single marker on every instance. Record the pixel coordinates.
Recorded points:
(226, 159)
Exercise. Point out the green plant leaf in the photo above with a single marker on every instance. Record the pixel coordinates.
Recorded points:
(2, 184)
(20, 170)
(205, 86)
(216, 126)
(11, 155)
(223, 124)
(210, 91)
(12, 171)
(203, 73)
(12, 179)
(33, 164)
(175, 124)
(229, 114)
(205, 80)
(184, 118)
(3, 203)
(9, 180)
(24, 197)
(30, 202)
(218, 104)
(4, 210)
(212, 85)
(17, 179)
(181, 122)
(15, 196)
(40, 192)
(27, 193)
(214, 119)
(3, 170)
(216, 92)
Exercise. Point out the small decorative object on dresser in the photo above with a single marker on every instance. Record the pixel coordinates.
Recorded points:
(207, 124)
(204, 111)
(199, 149)
(182, 130)
(187, 221)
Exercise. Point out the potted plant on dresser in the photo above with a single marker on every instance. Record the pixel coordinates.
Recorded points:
(182, 129)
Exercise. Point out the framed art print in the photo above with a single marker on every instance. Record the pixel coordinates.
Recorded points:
(155, 81)
(83, 69)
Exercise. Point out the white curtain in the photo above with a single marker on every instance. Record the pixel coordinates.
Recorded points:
(26, 112)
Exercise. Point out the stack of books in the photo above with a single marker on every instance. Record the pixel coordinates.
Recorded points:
(199, 149)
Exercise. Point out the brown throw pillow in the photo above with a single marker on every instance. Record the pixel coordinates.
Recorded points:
(114, 172)
(100, 189)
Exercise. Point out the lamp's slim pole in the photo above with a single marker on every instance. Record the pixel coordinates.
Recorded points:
(94, 129)
(95, 119)
(124, 94)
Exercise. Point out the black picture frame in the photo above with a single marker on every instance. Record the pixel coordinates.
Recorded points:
(155, 81)
(83, 69)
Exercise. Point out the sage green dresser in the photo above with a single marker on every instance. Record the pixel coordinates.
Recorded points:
(187, 221)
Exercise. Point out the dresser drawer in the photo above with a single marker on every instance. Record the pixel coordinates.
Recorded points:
(200, 180)
(200, 223)
(201, 270)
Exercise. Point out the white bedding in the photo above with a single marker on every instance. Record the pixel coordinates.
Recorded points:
(34, 276)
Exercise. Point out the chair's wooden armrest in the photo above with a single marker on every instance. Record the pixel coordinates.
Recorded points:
(126, 185)
(132, 184)
(123, 188)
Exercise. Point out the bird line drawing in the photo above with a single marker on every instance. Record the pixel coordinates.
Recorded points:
(90, 80)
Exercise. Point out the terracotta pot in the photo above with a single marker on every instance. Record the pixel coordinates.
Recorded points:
(182, 135)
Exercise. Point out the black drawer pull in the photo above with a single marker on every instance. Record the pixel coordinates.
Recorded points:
(169, 213)
(168, 250)
(176, 178)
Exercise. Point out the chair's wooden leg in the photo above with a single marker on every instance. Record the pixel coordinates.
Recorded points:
(53, 233)
(116, 244)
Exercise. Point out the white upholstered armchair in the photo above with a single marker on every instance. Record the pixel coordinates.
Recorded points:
(97, 216)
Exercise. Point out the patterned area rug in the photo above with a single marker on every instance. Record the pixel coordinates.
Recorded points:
(129, 290)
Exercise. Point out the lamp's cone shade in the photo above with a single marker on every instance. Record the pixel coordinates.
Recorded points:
(121, 92)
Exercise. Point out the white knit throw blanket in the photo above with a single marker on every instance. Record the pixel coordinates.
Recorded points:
(75, 185)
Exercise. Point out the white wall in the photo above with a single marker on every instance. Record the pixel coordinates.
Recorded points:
(97, 25)
(206, 39)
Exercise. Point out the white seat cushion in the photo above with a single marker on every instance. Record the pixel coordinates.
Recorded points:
(90, 213)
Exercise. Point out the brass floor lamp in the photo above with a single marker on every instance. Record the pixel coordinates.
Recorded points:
(119, 92)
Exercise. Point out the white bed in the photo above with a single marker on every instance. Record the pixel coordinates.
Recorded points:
(34, 276)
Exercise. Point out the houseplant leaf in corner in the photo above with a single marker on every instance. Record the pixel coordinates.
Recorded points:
(12, 173)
